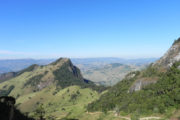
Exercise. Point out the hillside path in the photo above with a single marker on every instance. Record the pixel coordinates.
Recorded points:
(149, 118)
(127, 118)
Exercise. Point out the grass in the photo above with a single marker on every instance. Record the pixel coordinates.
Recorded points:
(60, 104)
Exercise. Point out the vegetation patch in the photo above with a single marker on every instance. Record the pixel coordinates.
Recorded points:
(156, 98)
(6, 92)
(67, 78)
(34, 80)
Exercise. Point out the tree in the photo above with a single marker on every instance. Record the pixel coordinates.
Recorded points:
(135, 116)
(40, 112)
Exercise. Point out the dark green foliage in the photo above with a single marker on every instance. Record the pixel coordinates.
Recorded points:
(6, 92)
(68, 75)
(68, 90)
(57, 61)
(78, 92)
(46, 72)
(51, 117)
(69, 119)
(154, 98)
(40, 112)
(74, 96)
(150, 72)
(135, 116)
(66, 78)
(34, 80)
(4, 86)
(109, 100)
(54, 93)
(17, 96)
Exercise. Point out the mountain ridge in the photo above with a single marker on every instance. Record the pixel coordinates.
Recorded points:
(146, 92)
(45, 84)
(15, 65)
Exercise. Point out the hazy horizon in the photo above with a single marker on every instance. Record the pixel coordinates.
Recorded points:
(79, 58)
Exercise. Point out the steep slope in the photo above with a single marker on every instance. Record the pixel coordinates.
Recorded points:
(170, 57)
(56, 86)
(157, 91)
(14, 65)
(152, 73)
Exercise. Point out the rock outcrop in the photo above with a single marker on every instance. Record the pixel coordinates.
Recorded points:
(170, 57)
(161, 65)
(141, 83)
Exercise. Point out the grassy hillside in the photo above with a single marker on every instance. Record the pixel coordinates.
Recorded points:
(59, 103)
(58, 87)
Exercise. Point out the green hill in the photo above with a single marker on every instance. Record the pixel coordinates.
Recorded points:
(153, 91)
(59, 87)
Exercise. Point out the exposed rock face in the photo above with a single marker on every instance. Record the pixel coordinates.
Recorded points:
(170, 57)
(141, 83)
(163, 64)
(130, 75)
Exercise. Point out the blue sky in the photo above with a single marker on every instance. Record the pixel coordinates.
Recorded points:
(87, 28)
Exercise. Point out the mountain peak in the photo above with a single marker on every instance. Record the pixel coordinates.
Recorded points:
(61, 60)
(176, 41)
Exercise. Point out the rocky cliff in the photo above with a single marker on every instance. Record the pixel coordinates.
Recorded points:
(170, 57)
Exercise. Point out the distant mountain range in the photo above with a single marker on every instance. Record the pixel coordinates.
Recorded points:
(110, 60)
(103, 71)
(13, 65)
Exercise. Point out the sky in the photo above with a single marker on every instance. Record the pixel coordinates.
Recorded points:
(87, 28)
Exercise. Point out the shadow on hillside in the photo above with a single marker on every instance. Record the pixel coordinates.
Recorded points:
(8, 111)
